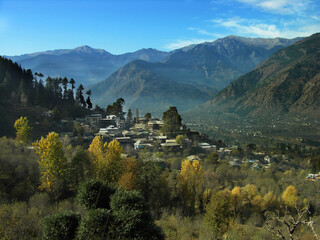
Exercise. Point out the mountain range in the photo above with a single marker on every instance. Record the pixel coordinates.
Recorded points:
(288, 82)
(85, 64)
(188, 76)
(153, 80)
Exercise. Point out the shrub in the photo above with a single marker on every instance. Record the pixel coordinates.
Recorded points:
(60, 226)
(94, 194)
(132, 216)
(97, 224)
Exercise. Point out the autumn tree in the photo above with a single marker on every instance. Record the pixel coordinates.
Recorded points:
(236, 195)
(129, 178)
(289, 196)
(190, 179)
(106, 159)
(23, 129)
(180, 139)
(97, 157)
(53, 163)
(113, 158)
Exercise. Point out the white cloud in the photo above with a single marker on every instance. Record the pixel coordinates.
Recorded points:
(204, 32)
(245, 27)
(280, 6)
(183, 43)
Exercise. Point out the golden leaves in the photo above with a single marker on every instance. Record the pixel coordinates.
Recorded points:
(52, 160)
(23, 129)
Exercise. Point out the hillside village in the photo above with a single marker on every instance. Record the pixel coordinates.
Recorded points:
(140, 133)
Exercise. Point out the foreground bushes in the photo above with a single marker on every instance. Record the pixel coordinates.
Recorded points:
(109, 215)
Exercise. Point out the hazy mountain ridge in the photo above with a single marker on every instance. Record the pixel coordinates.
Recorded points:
(288, 82)
(85, 64)
(206, 68)
(144, 87)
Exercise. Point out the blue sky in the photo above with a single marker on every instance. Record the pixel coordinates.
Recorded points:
(120, 26)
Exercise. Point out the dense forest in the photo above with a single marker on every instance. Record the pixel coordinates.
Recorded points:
(22, 92)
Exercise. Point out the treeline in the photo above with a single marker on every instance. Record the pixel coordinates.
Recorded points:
(25, 93)
(24, 87)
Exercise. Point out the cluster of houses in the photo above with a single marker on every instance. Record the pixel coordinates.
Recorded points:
(140, 133)
(256, 160)
(313, 177)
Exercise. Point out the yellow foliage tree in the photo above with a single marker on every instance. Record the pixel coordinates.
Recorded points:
(270, 201)
(129, 177)
(236, 195)
(106, 159)
(191, 180)
(23, 129)
(96, 153)
(113, 157)
(52, 162)
(290, 197)
(249, 192)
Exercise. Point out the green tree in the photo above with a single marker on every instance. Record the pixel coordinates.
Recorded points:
(88, 101)
(97, 224)
(172, 122)
(23, 129)
(94, 194)
(116, 108)
(218, 214)
(147, 116)
(53, 163)
(60, 226)
(129, 116)
(132, 217)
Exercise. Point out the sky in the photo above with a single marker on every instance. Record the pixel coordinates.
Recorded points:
(121, 26)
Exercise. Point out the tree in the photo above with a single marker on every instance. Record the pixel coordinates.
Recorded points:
(116, 108)
(218, 214)
(94, 194)
(106, 159)
(289, 196)
(191, 180)
(52, 162)
(129, 116)
(60, 226)
(289, 222)
(171, 122)
(79, 96)
(97, 224)
(113, 159)
(65, 88)
(23, 133)
(72, 82)
(97, 157)
(212, 158)
(147, 116)
(132, 217)
(180, 139)
(129, 178)
(89, 104)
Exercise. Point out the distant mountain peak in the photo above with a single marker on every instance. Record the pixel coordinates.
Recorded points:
(87, 49)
